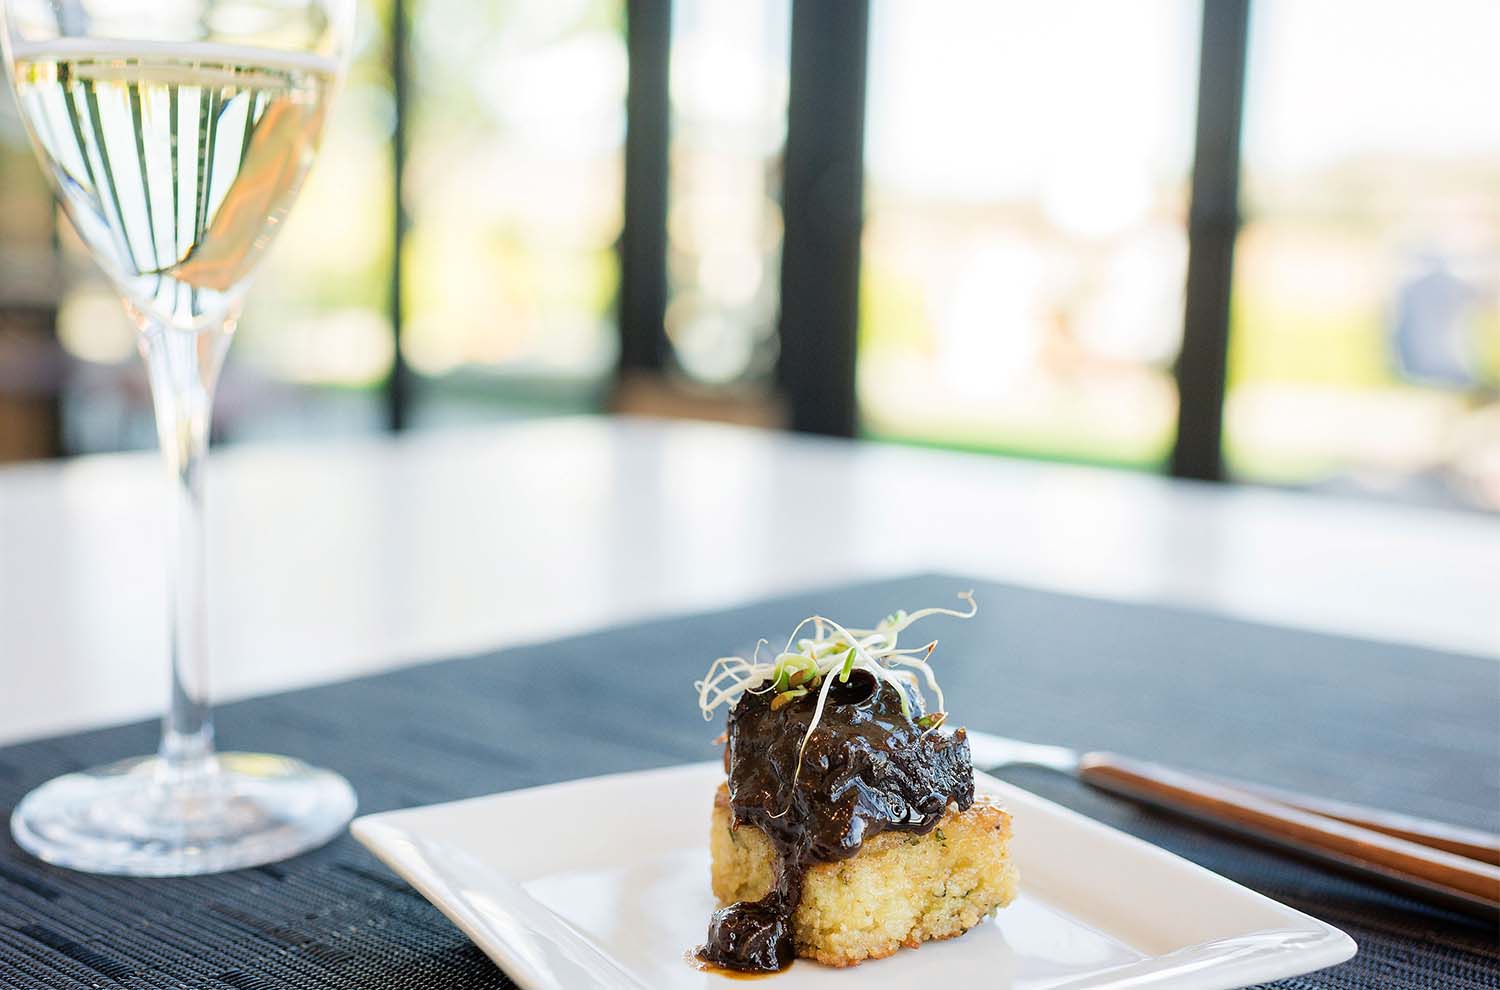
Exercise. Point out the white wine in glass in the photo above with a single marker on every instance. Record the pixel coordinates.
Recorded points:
(176, 163)
(176, 136)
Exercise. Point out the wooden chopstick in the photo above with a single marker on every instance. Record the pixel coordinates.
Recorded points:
(1436, 875)
(1471, 842)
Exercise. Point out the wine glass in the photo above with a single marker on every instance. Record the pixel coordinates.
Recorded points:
(176, 134)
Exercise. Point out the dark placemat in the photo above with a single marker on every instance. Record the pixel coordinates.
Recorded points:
(1408, 729)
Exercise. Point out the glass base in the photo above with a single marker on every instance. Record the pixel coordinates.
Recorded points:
(128, 818)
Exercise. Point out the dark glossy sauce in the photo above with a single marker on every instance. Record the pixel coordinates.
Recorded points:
(867, 768)
(704, 966)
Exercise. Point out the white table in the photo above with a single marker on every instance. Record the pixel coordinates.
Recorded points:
(332, 559)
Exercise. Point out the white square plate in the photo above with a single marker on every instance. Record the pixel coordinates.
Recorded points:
(603, 883)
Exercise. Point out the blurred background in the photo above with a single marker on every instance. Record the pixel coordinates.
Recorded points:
(1256, 242)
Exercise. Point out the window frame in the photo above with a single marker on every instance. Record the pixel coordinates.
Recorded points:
(822, 201)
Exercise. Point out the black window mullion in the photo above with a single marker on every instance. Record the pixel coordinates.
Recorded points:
(823, 208)
(643, 241)
(1213, 223)
(398, 386)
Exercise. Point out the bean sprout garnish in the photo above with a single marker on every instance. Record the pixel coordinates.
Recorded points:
(830, 654)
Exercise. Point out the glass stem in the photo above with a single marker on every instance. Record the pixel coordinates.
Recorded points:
(183, 368)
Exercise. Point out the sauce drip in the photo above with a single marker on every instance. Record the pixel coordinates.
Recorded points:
(866, 769)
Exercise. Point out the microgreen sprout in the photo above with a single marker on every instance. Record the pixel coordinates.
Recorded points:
(932, 720)
(812, 664)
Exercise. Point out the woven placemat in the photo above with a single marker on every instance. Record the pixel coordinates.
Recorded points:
(1402, 728)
